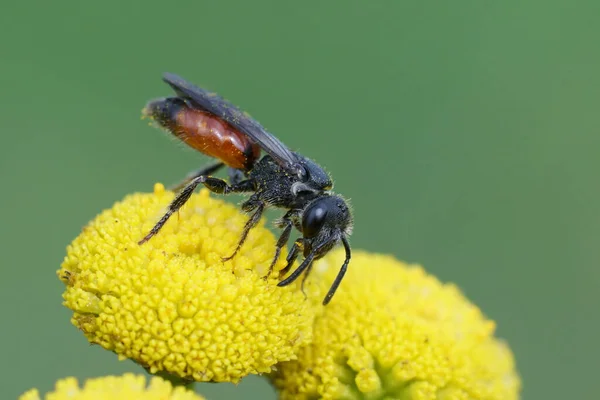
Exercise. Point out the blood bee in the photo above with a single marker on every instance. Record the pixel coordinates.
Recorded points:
(281, 178)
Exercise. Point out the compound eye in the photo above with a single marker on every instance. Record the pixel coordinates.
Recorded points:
(313, 220)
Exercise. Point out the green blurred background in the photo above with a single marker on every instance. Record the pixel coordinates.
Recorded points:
(465, 133)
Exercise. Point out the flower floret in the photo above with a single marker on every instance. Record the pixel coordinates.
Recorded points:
(392, 331)
(125, 387)
(172, 304)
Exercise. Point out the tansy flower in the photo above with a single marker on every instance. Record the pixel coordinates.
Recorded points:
(394, 332)
(171, 304)
(126, 387)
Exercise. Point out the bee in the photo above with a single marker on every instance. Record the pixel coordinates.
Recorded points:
(281, 178)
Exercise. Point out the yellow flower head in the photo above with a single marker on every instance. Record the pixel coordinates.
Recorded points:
(126, 387)
(171, 304)
(394, 332)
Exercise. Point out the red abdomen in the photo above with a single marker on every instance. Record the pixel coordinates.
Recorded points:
(205, 132)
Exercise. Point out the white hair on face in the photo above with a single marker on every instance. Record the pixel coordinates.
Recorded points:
(298, 187)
